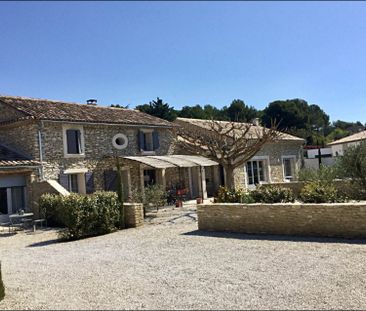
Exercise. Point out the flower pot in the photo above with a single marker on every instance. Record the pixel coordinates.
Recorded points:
(199, 200)
(178, 204)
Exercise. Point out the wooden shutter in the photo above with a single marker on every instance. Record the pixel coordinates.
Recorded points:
(110, 180)
(73, 141)
(141, 140)
(89, 182)
(156, 142)
(63, 180)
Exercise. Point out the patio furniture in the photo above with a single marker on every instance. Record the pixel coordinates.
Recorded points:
(38, 221)
(19, 220)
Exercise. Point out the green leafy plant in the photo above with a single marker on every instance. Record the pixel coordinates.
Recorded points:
(318, 192)
(155, 196)
(2, 286)
(272, 194)
(352, 165)
(326, 174)
(82, 215)
(239, 195)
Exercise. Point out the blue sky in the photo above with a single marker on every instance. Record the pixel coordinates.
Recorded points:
(187, 53)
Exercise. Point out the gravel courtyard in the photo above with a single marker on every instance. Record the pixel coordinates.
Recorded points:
(168, 264)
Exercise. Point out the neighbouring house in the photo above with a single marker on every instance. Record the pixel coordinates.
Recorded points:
(341, 145)
(276, 162)
(55, 146)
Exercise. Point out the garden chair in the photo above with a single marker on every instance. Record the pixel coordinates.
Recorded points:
(38, 221)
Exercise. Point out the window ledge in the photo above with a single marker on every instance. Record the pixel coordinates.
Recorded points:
(82, 155)
(148, 152)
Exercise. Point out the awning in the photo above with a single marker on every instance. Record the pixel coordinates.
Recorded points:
(173, 161)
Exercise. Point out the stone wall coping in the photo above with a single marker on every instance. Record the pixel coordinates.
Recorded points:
(295, 204)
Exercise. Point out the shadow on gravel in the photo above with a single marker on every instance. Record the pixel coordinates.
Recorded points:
(46, 243)
(266, 237)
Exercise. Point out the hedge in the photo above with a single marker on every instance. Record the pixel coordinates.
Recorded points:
(82, 215)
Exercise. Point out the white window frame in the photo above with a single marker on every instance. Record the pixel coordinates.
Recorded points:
(293, 167)
(66, 127)
(266, 167)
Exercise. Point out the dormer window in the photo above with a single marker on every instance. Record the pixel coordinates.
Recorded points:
(148, 140)
(73, 141)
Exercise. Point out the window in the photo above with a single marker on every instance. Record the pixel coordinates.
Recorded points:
(148, 140)
(288, 167)
(255, 171)
(73, 141)
(120, 141)
(149, 177)
(73, 183)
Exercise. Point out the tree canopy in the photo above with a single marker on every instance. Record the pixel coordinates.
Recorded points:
(295, 116)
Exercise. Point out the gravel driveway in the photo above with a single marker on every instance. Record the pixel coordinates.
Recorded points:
(168, 264)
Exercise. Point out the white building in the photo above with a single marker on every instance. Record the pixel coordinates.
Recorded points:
(341, 145)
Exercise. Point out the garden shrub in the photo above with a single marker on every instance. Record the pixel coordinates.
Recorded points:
(82, 215)
(325, 174)
(154, 196)
(239, 195)
(352, 165)
(319, 192)
(2, 287)
(272, 194)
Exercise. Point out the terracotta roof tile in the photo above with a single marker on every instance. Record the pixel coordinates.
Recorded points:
(10, 157)
(43, 109)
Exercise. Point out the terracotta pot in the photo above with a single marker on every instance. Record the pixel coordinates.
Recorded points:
(178, 204)
(199, 200)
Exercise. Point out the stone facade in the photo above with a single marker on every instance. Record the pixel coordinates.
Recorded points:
(346, 220)
(98, 145)
(272, 155)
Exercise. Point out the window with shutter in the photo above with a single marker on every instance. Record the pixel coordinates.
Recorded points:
(73, 136)
(89, 182)
(110, 180)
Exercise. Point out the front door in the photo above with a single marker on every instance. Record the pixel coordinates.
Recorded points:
(3, 201)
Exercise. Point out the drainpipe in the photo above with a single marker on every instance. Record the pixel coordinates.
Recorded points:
(41, 152)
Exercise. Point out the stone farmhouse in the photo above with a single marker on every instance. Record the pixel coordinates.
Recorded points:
(50, 146)
(59, 147)
(276, 162)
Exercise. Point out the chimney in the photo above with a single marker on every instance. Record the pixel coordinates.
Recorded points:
(256, 122)
(91, 102)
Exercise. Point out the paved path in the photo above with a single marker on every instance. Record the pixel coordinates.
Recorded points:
(168, 264)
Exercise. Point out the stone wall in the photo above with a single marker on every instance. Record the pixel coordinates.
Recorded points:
(347, 220)
(134, 215)
(21, 136)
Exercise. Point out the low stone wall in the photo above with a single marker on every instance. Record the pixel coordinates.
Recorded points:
(134, 214)
(347, 220)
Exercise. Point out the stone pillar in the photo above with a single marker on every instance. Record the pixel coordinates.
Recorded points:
(161, 177)
(134, 214)
(203, 180)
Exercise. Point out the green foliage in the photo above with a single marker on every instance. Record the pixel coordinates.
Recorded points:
(225, 195)
(154, 196)
(2, 286)
(353, 165)
(238, 111)
(326, 174)
(272, 194)
(320, 192)
(159, 109)
(82, 215)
